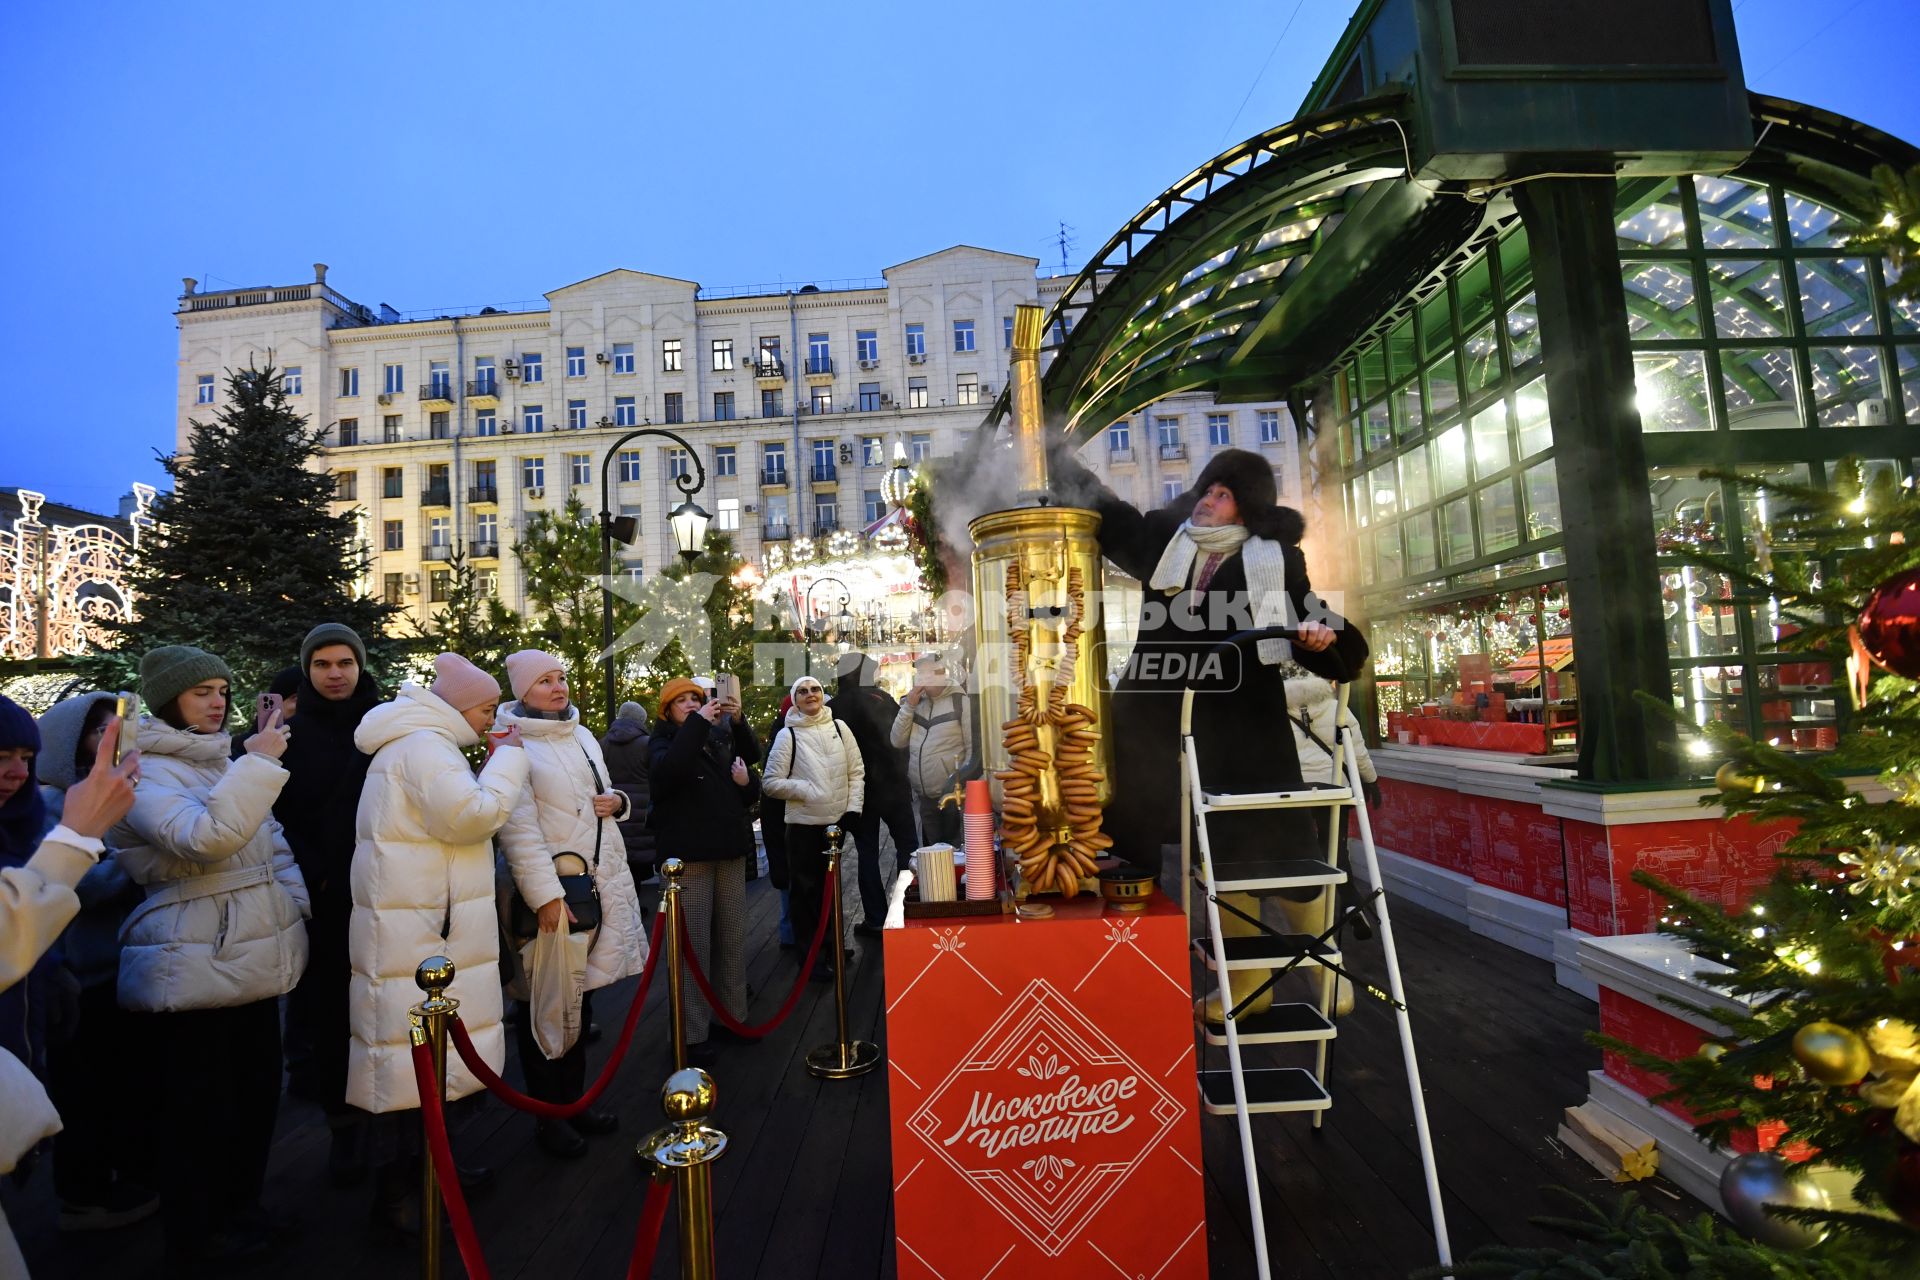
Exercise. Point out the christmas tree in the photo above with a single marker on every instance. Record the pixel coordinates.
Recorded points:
(559, 554)
(246, 555)
(473, 623)
(727, 619)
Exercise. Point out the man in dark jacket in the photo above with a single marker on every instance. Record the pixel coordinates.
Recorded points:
(317, 807)
(869, 711)
(626, 749)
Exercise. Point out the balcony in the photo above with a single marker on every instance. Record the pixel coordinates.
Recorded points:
(484, 550)
(820, 368)
(437, 553)
(436, 395)
(1173, 452)
(775, 533)
(770, 370)
(436, 495)
(826, 528)
(483, 393)
(773, 478)
(483, 493)
(1123, 454)
(825, 473)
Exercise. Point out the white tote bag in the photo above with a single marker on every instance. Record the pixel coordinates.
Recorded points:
(556, 966)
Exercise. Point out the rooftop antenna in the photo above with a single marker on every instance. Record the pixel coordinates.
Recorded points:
(1067, 240)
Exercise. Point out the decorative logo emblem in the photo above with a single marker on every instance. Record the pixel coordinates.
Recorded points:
(1045, 1117)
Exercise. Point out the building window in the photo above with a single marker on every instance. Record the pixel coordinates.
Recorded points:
(821, 399)
(393, 586)
(916, 341)
(1219, 430)
(819, 354)
(1169, 429)
(576, 415)
(440, 532)
(393, 535)
(533, 473)
(487, 583)
(724, 462)
(776, 515)
(439, 381)
(532, 368)
(723, 405)
(439, 426)
(876, 505)
(624, 413)
(623, 357)
(486, 481)
(722, 354)
(485, 381)
(916, 393)
(576, 362)
(769, 366)
(866, 346)
(679, 463)
(869, 397)
(674, 404)
(966, 389)
(486, 530)
(1119, 437)
(580, 468)
(962, 336)
(772, 403)
(826, 515)
(485, 422)
(290, 380)
(392, 482)
(346, 486)
(823, 460)
(348, 431)
(533, 419)
(670, 355)
(873, 451)
(349, 384)
(628, 465)
(727, 518)
(920, 446)
(393, 379)
(1269, 422)
(1171, 489)
(1006, 333)
(437, 584)
(774, 463)
(633, 571)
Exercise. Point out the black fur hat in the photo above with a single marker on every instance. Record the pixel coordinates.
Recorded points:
(1250, 479)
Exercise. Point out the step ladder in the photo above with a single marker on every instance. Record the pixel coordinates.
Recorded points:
(1236, 1089)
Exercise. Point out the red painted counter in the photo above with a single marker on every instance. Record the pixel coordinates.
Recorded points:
(1041, 1076)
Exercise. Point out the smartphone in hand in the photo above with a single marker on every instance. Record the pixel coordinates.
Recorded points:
(266, 709)
(127, 707)
(727, 686)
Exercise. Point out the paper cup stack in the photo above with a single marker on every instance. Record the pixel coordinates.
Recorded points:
(934, 865)
(978, 825)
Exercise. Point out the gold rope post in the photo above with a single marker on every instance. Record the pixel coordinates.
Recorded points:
(676, 1006)
(685, 1149)
(844, 1058)
(429, 1019)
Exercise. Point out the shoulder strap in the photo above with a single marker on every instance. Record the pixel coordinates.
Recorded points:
(1305, 726)
(598, 787)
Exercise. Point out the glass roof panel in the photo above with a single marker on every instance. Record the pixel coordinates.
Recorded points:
(1733, 214)
(1647, 218)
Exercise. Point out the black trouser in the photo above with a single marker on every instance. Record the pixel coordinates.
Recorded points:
(937, 825)
(806, 884)
(87, 1081)
(317, 1009)
(897, 813)
(561, 1079)
(216, 1078)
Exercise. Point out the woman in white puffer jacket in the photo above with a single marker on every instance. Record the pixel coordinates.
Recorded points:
(569, 806)
(815, 766)
(218, 939)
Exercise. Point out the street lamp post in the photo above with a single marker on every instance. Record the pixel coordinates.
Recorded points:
(688, 522)
(846, 598)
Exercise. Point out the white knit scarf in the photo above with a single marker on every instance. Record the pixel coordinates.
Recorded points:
(1263, 559)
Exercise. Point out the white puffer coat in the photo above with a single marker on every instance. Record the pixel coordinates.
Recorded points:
(935, 737)
(815, 766)
(423, 886)
(554, 815)
(1311, 705)
(223, 923)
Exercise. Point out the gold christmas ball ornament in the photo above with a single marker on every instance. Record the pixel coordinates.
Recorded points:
(1832, 1054)
(1733, 779)
(1711, 1051)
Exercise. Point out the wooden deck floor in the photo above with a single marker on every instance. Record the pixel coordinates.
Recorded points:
(804, 1189)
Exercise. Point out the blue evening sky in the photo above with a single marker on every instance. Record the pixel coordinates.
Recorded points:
(442, 155)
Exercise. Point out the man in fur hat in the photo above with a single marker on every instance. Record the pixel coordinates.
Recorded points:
(1221, 558)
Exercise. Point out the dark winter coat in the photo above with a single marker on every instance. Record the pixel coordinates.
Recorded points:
(325, 774)
(773, 814)
(699, 813)
(868, 711)
(629, 751)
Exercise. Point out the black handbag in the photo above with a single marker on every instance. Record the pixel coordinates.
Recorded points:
(580, 891)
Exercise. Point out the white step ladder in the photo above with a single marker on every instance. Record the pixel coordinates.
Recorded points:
(1237, 1090)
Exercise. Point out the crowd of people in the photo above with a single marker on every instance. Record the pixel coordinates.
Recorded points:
(249, 908)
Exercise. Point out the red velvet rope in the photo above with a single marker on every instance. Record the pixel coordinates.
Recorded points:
(441, 1152)
(565, 1110)
(646, 1240)
(766, 1028)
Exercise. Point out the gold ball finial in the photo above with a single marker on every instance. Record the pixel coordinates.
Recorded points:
(672, 868)
(688, 1096)
(434, 975)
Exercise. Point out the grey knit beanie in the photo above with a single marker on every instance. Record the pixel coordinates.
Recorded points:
(633, 711)
(332, 633)
(171, 670)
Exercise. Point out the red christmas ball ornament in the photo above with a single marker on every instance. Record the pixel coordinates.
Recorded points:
(1890, 624)
(1566, 613)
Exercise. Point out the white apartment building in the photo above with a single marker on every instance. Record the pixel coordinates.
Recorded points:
(449, 431)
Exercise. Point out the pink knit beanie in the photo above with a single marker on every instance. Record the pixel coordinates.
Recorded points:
(460, 684)
(528, 665)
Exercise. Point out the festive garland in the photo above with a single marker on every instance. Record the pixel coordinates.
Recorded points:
(922, 531)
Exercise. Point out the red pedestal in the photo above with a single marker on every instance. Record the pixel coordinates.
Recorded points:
(1041, 1076)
